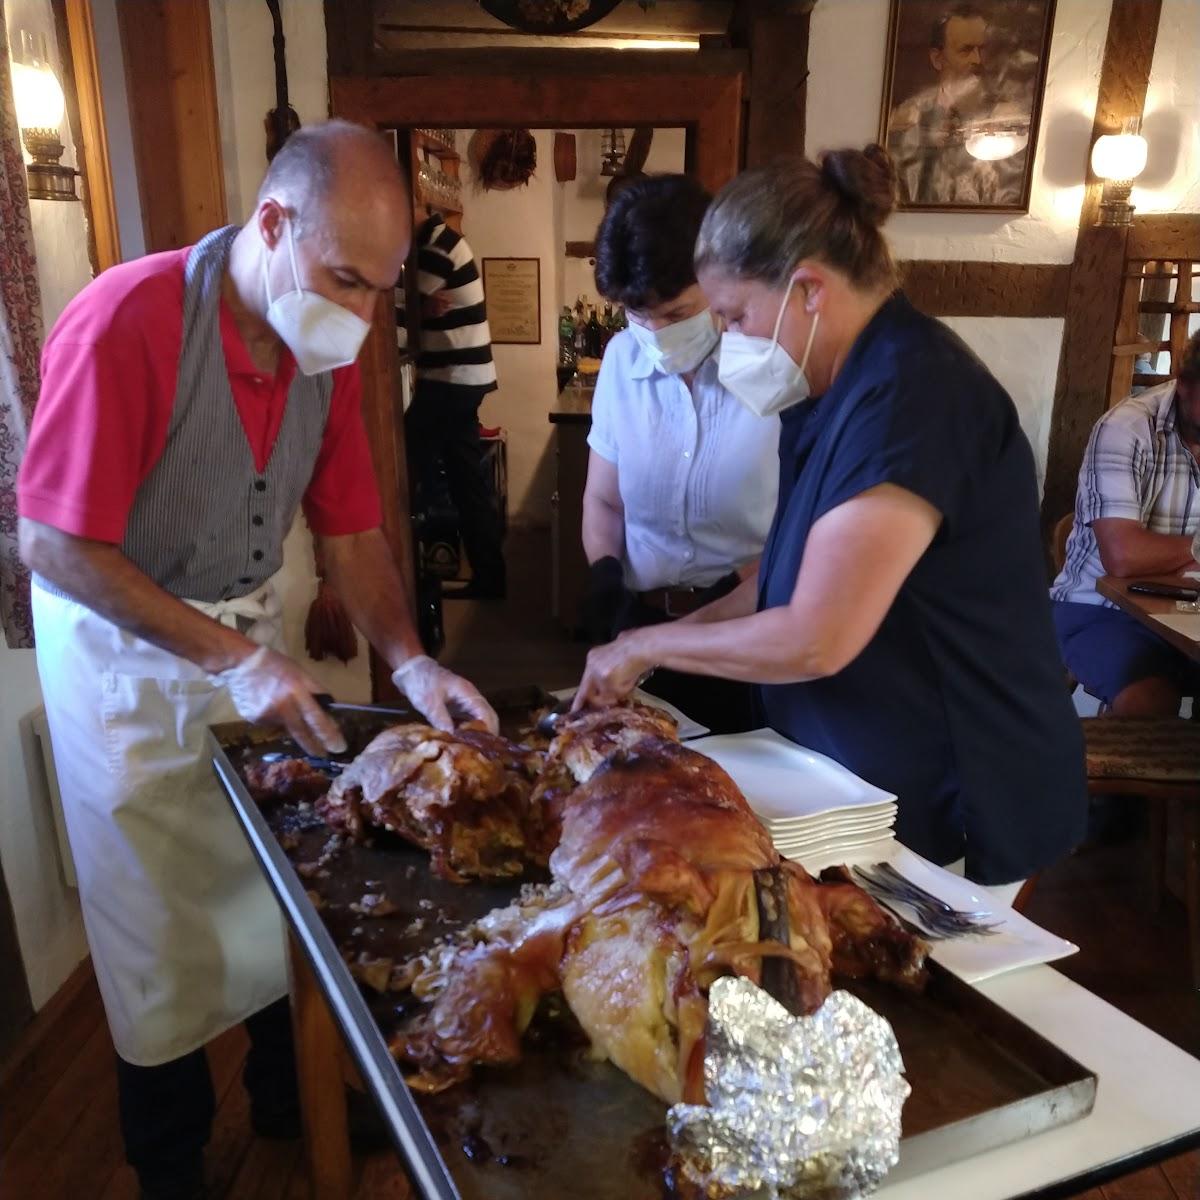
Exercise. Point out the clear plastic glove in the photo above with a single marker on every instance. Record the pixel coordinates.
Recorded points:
(268, 688)
(435, 691)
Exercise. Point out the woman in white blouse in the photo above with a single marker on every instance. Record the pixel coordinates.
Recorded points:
(682, 478)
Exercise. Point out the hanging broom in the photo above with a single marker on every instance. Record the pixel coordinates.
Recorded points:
(327, 630)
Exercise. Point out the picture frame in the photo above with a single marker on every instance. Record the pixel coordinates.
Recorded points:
(962, 101)
(512, 290)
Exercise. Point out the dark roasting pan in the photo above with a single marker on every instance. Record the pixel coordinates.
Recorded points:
(560, 1124)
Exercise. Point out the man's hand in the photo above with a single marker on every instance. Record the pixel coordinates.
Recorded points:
(613, 671)
(440, 694)
(268, 688)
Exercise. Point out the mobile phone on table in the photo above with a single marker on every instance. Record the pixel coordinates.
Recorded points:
(1165, 589)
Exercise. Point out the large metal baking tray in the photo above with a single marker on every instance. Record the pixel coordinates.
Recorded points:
(560, 1124)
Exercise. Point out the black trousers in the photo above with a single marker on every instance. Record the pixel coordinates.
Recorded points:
(441, 425)
(167, 1111)
(724, 705)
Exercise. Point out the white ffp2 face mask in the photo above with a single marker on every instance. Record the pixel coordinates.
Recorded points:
(681, 346)
(760, 372)
(322, 335)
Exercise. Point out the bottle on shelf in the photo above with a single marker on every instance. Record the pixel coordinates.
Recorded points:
(580, 331)
(594, 334)
(566, 338)
(606, 328)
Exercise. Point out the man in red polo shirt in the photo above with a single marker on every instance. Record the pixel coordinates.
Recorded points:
(191, 402)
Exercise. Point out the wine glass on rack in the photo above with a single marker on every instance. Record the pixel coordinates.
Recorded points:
(425, 183)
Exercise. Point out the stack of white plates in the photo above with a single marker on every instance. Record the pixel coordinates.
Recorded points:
(816, 810)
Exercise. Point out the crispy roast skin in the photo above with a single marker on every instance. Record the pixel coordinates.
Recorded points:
(463, 796)
(653, 898)
(288, 779)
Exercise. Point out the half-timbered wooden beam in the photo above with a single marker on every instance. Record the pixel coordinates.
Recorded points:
(1094, 295)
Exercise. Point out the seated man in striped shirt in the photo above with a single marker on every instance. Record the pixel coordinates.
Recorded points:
(1136, 512)
(454, 372)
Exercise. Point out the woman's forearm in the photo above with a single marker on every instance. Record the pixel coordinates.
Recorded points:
(603, 530)
(763, 647)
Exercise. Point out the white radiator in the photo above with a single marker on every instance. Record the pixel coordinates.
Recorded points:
(43, 785)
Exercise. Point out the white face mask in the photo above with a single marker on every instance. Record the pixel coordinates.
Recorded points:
(322, 335)
(680, 347)
(760, 372)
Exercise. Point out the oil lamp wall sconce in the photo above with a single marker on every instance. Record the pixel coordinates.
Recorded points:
(1118, 159)
(39, 102)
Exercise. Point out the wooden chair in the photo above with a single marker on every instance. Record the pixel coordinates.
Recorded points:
(1157, 758)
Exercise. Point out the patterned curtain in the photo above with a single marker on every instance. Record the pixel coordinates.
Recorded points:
(20, 339)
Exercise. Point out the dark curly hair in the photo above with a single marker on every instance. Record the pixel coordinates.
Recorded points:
(646, 242)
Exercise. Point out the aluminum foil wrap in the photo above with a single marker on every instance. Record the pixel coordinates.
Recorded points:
(800, 1108)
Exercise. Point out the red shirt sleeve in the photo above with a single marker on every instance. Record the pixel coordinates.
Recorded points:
(343, 496)
(100, 424)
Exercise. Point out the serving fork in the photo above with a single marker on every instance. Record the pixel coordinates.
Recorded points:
(939, 919)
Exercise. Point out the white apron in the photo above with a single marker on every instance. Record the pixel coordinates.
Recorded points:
(185, 935)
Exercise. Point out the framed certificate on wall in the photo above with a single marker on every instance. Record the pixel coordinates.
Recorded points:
(512, 289)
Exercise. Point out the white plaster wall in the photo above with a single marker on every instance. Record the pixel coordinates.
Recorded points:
(522, 223)
(847, 45)
(1023, 355)
(1171, 124)
(46, 913)
(582, 200)
(245, 76)
(246, 84)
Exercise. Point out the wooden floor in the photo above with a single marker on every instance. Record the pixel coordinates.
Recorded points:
(59, 1138)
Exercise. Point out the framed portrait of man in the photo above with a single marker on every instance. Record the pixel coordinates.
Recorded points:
(962, 99)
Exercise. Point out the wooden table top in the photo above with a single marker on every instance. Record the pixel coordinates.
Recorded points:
(573, 406)
(1148, 608)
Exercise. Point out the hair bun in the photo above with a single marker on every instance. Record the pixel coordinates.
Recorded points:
(865, 178)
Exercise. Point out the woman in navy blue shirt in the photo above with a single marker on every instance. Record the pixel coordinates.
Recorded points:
(899, 622)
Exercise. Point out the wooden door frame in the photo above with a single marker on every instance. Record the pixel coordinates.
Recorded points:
(76, 32)
(706, 102)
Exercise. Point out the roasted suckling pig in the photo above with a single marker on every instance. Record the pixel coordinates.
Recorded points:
(463, 796)
(653, 897)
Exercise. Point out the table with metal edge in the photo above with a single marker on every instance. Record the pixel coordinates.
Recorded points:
(1147, 1106)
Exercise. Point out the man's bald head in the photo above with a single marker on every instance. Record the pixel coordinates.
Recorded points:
(336, 188)
(326, 163)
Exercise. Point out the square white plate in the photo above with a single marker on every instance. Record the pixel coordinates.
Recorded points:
(782, 780)
(798, 845)
(835, 822)
(1017, 943)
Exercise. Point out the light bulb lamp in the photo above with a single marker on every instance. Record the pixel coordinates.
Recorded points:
(39, 102)
(1118, 159)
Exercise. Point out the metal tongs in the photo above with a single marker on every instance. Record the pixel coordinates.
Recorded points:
(548, 721)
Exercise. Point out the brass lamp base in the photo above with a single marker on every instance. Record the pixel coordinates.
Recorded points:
(48, 179)
(1115, 209)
